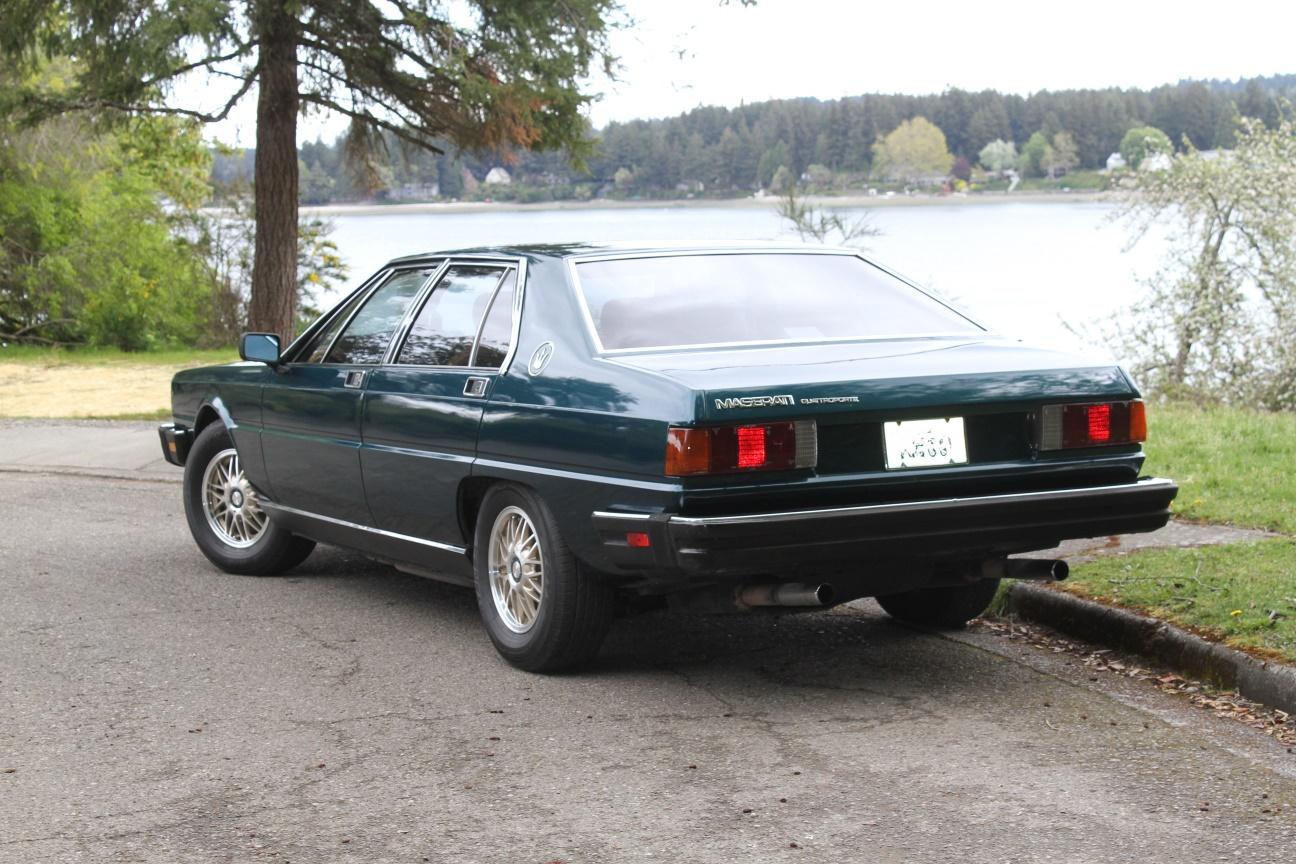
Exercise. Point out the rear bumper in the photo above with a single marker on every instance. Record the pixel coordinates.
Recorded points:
(761, 543)
(175, 442)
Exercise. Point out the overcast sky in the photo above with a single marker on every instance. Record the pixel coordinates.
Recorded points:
(683, 53)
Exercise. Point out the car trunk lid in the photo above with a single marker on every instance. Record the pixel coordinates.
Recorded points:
(900, 377)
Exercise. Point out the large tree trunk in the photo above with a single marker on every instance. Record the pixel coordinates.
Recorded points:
(274, 269)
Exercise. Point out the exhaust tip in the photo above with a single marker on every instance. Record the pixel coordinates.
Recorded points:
(825, 594)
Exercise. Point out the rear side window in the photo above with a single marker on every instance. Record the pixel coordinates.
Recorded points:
(497, 330)
(709, 299)
(446, 327)
(366, 338)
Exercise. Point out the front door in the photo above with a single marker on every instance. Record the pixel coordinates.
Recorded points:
(421, 413)
(311, 413)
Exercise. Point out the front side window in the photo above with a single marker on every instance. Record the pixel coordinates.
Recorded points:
(366, 338)
(314, 352)
(686, 300)
(446, 326)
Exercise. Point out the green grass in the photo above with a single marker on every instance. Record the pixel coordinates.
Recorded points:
(159, 414)
(108, 356)
(1243, 594)
(1232, 466)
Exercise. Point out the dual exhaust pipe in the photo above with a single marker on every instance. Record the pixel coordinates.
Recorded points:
(811, 595)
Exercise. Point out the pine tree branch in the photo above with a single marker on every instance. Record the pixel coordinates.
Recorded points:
(206, 62)
(52, 107)
(419, 139)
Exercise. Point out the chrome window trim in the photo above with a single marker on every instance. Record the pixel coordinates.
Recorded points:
(391, 272)
(365, 287)
(477, 370)
(509, 263)
(515, 333)
(445, 547)
(490, 304)
(351, 317)
(395, 271)
(411, 312)
(592, 330)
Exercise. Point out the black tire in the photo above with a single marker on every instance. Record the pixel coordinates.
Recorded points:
(946, 608)
(565, 628)
(274, 550)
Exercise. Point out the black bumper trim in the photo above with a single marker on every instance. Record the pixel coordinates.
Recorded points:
(990, 524)
(175, 443)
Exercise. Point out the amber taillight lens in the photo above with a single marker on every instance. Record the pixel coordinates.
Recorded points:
(778, 446)
(1092, 424)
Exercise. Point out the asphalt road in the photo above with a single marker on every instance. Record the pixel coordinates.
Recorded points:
(154, 709)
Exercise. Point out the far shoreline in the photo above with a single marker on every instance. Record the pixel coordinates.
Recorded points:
(769, 201)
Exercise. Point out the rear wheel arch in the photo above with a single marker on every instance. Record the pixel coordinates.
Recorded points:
(472, 492)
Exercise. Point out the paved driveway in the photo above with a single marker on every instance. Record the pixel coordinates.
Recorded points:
(153, 709)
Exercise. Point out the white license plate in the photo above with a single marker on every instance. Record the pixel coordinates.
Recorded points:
(924, 443)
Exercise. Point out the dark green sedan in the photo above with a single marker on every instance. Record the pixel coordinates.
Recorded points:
(580, 431)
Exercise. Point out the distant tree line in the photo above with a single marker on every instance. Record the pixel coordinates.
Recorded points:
(734, 151)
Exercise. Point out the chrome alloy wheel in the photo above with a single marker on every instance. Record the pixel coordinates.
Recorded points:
(515, 564)
(230, 503)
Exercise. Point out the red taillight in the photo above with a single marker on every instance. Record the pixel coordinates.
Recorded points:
(750, 447)
(1065, 427)
(638, 540)
(1100, 431)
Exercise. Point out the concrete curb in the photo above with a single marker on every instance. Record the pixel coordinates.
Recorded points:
(1273, 684)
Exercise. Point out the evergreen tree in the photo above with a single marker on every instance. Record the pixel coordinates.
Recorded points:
(505, 76)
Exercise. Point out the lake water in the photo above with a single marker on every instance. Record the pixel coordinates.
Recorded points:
(1024, 269)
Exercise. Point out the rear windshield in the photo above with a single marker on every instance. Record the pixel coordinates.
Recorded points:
(710, 299)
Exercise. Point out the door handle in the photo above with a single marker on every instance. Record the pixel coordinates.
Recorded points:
(475, 386)
(354, 378)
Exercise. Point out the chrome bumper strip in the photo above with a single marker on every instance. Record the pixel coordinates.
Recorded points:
(1138, 487)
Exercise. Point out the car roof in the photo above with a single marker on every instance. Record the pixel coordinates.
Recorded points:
(559, 251)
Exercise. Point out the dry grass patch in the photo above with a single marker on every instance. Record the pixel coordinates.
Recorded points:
(62, 384)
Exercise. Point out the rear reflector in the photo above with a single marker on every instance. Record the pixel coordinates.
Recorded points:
(1096, 424)
(735, 449)
(638, 540)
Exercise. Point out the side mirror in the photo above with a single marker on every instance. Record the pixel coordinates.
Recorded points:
(260, 347)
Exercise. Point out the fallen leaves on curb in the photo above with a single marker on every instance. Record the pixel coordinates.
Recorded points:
(1278, 725)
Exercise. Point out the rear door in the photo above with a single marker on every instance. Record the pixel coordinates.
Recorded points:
(311, 412)
(422, 411)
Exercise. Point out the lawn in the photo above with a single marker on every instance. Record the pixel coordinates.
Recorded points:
(1243, 594)
(94, 383)
(1232, 466)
